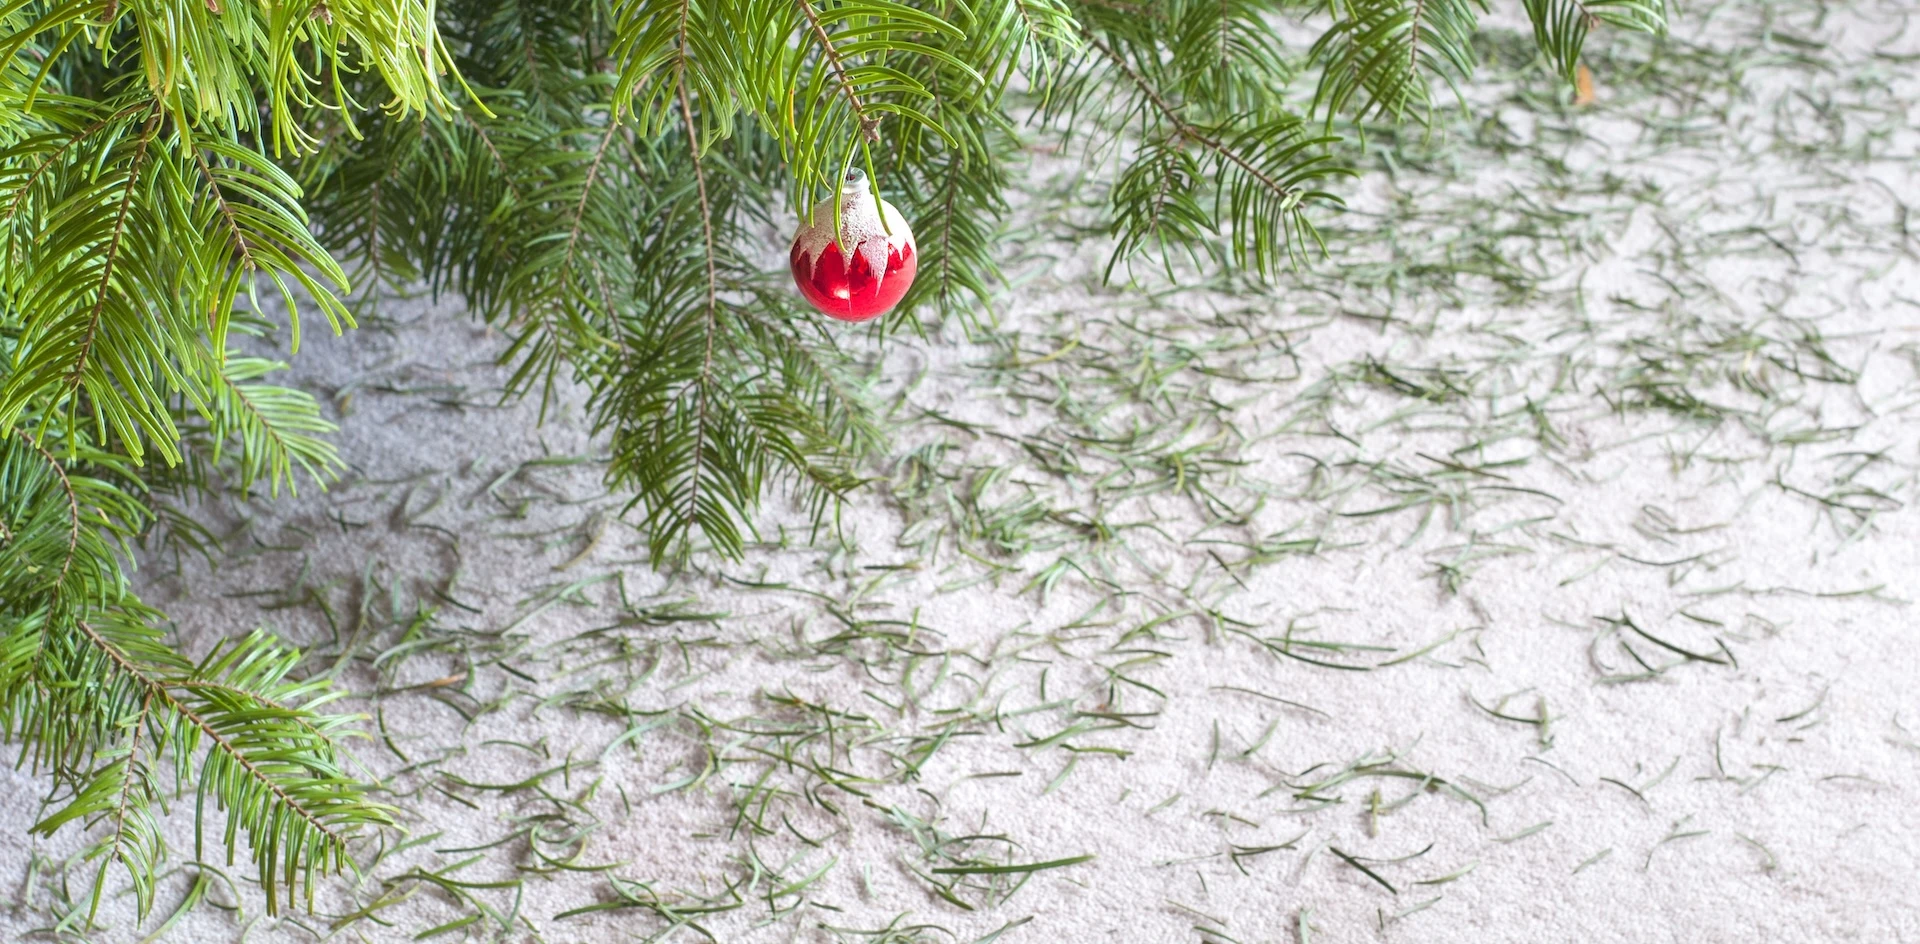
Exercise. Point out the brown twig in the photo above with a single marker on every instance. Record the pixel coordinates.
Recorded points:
(869, 126)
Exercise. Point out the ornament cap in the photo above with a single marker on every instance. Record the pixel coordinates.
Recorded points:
(855, 182)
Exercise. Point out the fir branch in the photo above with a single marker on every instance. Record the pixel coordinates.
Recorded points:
(93, 691)
(1376, 59)
(278, 428)
(52, 160)
(1268, 174)
(158, 689)
(869, 126)
(125, 808)
(294, 714)
(226, 215)
(80, 360)
(1560, 27)
(73, 503)
(1181, 127)
(499, 161)
(299, 824)
(697, 471)
(586, 192)
(59, 552)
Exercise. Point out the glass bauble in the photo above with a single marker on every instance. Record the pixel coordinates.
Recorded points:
(866, 270)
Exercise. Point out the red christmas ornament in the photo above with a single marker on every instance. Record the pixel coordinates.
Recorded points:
(871, 278)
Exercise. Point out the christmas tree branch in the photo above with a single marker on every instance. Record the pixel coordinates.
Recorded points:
(1181, 127)
(94, 690)
(227, 215)
(73, 503)
(697, 470)
(1263, 181)
(334, 841)
(52, 160)
(869, 126)
(1560, 27)
(126, 807)
(1376, 58)
(80, 360)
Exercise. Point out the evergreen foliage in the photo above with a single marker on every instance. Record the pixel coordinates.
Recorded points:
(598, 178)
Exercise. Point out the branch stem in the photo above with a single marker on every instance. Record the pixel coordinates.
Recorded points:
(713, 282)
(113, 252)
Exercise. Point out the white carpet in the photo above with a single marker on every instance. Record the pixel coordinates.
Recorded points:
(1467, 477)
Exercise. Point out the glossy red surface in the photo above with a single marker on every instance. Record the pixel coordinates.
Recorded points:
(852, 294)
